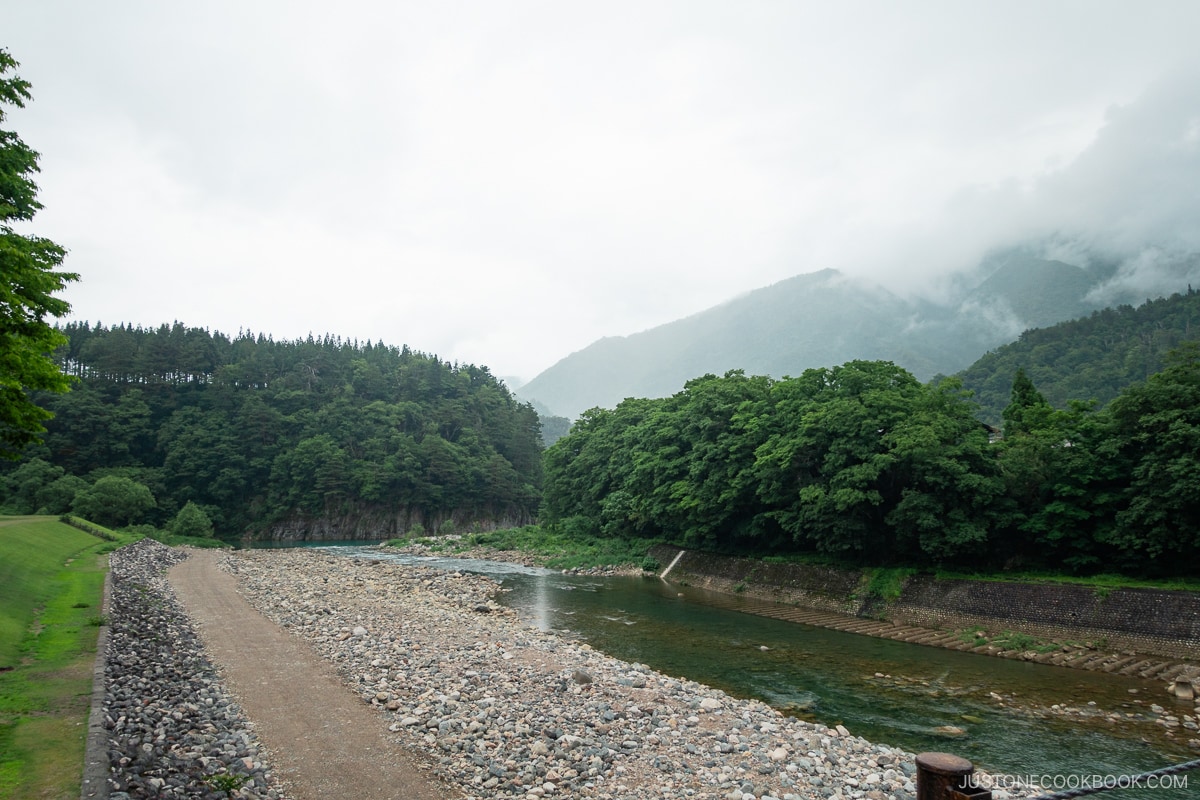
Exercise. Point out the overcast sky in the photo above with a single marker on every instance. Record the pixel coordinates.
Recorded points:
(504, 182)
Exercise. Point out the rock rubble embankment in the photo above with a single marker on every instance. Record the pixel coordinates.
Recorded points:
(173, 730)
(505, 710)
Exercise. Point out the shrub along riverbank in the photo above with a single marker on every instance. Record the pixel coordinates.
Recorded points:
(548, 548)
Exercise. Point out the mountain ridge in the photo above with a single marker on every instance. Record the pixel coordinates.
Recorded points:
(825, 318)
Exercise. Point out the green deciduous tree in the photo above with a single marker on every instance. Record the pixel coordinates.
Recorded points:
(948, 480)
(1157, 431)
(20, 488)
(826, 469)
(114, 500)
(58, 496)
(29, 278)
(192, 521)
(1062, 482)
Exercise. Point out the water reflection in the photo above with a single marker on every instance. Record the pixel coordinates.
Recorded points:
(541, 602)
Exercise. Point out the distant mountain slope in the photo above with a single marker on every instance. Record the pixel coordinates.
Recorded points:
(820, 319)
(1091, 358)
(1034, 292)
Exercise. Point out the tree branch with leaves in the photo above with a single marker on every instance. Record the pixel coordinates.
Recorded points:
(29, 278)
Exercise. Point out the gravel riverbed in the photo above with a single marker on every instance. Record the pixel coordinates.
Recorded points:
(502, 709)
(505, 710)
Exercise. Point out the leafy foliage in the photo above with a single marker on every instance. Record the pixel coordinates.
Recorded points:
(1090, 359)
(1156, 433)
(864, 464)
(192, 521)
(114, 500)
(29, 278)
(310, 434)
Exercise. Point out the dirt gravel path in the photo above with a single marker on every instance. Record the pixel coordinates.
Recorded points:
(322, 741)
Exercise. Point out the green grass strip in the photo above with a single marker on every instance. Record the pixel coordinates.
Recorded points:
(51, 590)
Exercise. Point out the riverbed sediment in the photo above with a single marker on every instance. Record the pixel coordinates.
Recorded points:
(502, 709)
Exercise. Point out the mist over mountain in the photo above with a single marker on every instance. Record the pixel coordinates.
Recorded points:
(1117, 224)
(826, 318)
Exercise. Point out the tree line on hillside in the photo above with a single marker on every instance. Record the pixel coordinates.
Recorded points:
(257, 433)
(862, 462)
(1090, 358)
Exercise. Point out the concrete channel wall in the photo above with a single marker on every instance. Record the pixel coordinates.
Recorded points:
(1150, 621)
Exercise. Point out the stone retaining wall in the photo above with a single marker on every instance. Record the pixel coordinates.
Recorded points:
(804, 585)
(1155, 622)
(1150, 621)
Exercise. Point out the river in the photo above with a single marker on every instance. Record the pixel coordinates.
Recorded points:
(886, 691)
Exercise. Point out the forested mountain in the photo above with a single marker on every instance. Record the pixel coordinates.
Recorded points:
(823, 319)
(306, 439)
(865, 463)
(1091, 358)
(1035, 292)
(809, 320)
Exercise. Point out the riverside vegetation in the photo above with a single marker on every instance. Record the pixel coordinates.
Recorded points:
(861, 462)
(864, 464)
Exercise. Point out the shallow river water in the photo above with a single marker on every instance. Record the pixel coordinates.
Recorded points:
(889, 692)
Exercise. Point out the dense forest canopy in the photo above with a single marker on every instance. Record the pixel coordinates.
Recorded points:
(259, 433)
(197, 431)
(1091, 358)
(863, 462)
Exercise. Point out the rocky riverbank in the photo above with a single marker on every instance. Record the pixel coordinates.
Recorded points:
(452, 547)
(505, 710)
(172, 729)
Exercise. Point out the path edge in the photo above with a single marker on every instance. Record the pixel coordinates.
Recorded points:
(95, 760)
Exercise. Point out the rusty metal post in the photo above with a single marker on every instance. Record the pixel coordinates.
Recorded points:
(941, 776)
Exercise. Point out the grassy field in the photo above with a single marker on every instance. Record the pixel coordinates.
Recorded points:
(51, 589)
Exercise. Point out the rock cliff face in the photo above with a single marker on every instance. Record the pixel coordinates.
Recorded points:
(1151, 621)
(357, 527)
(373, 525)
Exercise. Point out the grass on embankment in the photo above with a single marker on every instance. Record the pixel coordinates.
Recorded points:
(51, 590)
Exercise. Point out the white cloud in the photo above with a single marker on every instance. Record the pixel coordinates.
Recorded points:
(505, 183)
